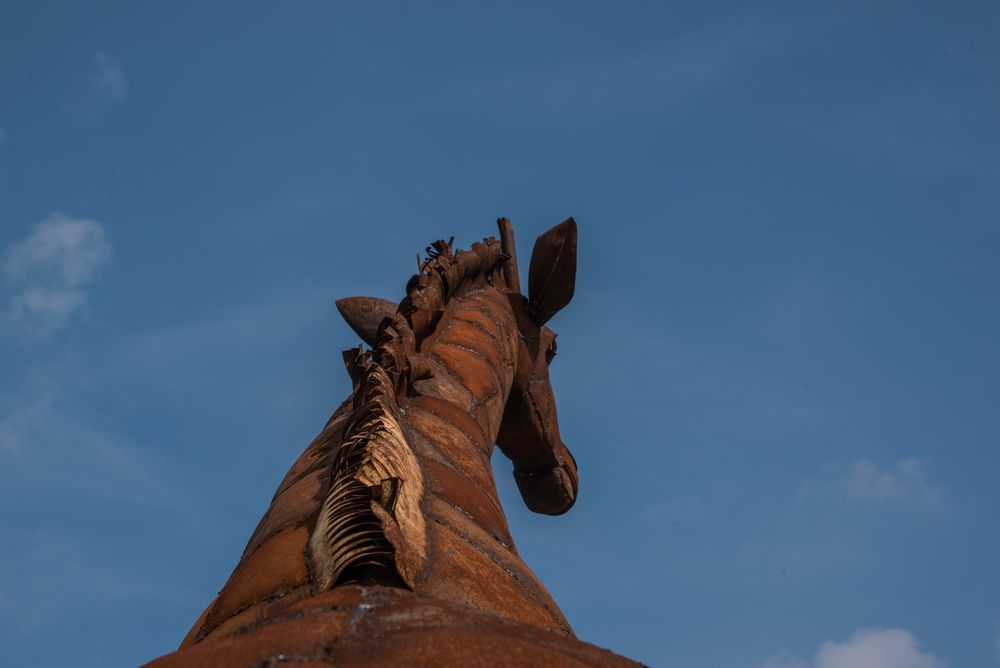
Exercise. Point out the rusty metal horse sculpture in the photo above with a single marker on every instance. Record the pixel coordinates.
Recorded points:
(386, 542)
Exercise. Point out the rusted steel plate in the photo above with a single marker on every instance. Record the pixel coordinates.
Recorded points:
(277, 565)
(291, 508)
(356, 626)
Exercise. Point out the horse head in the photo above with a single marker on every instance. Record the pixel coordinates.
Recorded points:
(544, 469)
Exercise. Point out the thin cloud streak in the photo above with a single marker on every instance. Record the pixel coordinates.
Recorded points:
(43, 444)
(46, 573)
(663, 74)
(996, 644)
(110, 77)
(171, 354)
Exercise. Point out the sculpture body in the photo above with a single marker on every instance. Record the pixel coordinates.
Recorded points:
(386, 543)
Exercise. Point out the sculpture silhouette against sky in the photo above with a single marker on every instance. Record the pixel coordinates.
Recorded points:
(386, 542)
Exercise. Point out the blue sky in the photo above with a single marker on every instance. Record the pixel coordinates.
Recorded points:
(779, 375)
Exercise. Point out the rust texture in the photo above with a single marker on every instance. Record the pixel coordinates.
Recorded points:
(386, 543)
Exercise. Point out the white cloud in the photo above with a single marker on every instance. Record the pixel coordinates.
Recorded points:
(906, 480)
(876, 648)
(866, 648)
(46, 274)
(110, 78)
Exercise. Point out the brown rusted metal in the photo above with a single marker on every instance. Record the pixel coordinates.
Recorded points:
(510, 272)
(365, 314)
(386, 543)
(552, 273)
(386, 626)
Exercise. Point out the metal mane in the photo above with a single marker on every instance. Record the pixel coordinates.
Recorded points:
(371, 527)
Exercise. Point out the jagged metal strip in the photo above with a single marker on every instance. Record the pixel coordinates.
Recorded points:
(350, 530)
(375, 466)
(443, 276)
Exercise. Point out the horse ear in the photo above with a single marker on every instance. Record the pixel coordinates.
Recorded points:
(552, 274)
(365, 314)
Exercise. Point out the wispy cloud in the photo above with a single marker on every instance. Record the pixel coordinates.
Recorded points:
(865, 483)
(42, 443)
(929, 128)
(110, 77)
(905, 481)
(866, 648)
(996, 644)
(666, 73)
(176, 353)
(784, 659)
(670, 71)
(47, 273)
(47, 573)
(16, 422)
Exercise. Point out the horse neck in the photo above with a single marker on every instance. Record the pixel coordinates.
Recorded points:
(472, 353)
(448, 423)
(452, 422)
(454, 417)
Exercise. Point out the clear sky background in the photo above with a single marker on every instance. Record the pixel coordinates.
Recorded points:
(779, 375)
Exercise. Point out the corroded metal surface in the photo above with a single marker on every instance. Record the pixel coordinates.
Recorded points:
(386, 626)
(386, 543)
